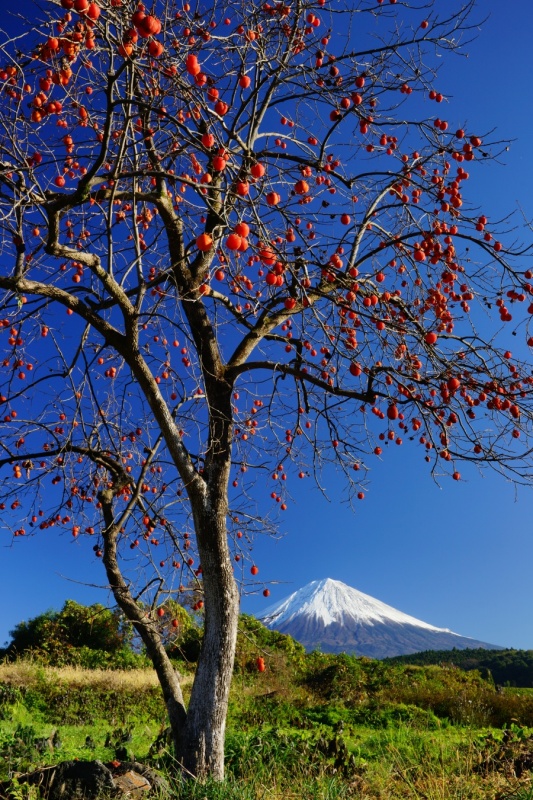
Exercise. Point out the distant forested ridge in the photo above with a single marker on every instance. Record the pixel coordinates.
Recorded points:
(507, 667)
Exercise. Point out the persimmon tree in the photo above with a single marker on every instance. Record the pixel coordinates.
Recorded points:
(237, 245)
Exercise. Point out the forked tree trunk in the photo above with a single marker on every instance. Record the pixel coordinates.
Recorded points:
(198, 732)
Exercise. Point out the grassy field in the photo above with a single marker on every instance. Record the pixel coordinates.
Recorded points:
(311, 726)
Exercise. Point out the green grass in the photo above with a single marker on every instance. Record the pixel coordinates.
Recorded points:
(317, 726)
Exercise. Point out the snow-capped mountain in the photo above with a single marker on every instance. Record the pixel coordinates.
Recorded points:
(331, 616)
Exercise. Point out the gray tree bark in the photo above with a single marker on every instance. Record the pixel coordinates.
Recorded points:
(199, 731)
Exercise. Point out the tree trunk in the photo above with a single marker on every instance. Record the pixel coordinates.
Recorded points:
(202, 751)
(199, 733)
(147, 629)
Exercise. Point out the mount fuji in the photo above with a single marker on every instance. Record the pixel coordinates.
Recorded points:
(333, 617)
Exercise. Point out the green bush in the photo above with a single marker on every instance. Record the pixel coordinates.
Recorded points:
(343, 677)
(124, 658)
(63, 637)
(9, 696)
(275, 751)
(504, 667)
(63, 704)
(187, 646)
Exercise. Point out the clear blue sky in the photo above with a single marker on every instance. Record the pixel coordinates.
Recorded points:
(458, 555)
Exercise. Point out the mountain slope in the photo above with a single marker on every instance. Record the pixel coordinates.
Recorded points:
(333, 617)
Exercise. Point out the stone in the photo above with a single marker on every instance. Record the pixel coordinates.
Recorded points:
(73, 780)
(156, 781)
(92, 780)
(132, 784)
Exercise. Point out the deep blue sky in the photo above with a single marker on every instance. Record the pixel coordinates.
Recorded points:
(458, 555)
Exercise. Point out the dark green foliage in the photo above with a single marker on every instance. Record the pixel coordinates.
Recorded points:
(292, 711)
(186, 647)
(343, 677)
(312, 725)
(507, 667)
(252, 631)
(254, 640)
(269, 709)
(9, 695)
(27, 635)
(71, 704)
(83, 705)
(381, 693)
(373, 714)
(180, 632)
(95, 637)
(511, 753)
(87, 658)
(293, 751)
(89, 636)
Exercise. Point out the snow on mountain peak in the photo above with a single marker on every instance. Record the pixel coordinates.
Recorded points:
(335, 618)
(328, 601)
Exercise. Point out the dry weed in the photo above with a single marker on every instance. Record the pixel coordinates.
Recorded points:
(26, 673)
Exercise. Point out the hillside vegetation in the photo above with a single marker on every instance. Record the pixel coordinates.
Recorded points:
(507, 667)
(310, 726)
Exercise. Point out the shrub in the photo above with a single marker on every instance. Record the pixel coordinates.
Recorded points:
(57, 637)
